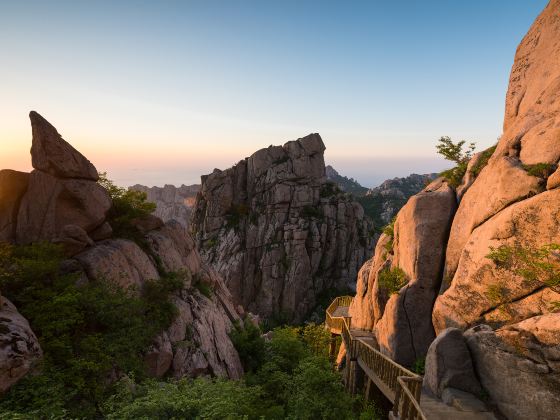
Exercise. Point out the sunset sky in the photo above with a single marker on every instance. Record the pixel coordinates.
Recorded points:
(162, 92)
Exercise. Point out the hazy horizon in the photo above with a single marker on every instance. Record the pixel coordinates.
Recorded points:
(162, 93)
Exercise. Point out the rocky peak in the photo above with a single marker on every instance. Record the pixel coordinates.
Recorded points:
(52, 154)
(278, 232)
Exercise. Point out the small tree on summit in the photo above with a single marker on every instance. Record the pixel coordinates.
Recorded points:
(458, 153)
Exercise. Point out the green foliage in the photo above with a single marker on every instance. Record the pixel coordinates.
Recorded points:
(455, 152)
(288, 381)
(329, 189)
(389, 230)
(497, 293)
(535, 265)
(483, 160)
(540, 170)
(312, 212)
(184, 399)
(249, 344)
(392, 280)
(85, 331)
(236, 214)
(419, 366)
(203, 287)
(349, 185)
(211, 243)
(127, 206)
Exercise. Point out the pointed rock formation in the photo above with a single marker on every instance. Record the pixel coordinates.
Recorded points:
(50, 153)
(62, 191)
(278, 232)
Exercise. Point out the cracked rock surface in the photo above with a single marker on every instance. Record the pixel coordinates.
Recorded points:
(278, 233)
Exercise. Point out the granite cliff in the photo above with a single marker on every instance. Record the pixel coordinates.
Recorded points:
(478, 267)
(278, 232)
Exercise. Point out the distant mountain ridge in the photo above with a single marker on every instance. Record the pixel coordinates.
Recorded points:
(346, 184)
(382, 203)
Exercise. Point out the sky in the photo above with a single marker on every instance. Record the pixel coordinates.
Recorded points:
(163, 92)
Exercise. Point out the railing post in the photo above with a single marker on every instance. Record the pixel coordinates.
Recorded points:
(332, 350)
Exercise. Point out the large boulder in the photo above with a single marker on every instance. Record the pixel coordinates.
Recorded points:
(51, 203)
(449, 365)
(519, 366)
(50, 153)
(13, 185)
(278, 232)
(368, 304)
(19, 348)
(119, 261)
(405, 330)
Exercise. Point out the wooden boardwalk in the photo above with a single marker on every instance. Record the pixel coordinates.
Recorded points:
(366, 366)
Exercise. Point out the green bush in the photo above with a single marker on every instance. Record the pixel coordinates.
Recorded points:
(540, 170)
(249, 344)
(204, 288)
(392, 280)
(86, 331)
(538, 266)
(483, 160)
(389, 230)
(455, 152)
(329, 189)
(419, 366)
(127, 206)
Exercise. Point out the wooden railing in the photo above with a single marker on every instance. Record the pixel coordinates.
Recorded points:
(402, 386)
(407, 400)
(334, 323)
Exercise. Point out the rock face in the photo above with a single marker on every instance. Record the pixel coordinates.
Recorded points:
(19, 348)
(449, 364)
(405, 330)
(519, 365)
(13, 185)
(173, 203)
(495, 282)
(278, 232)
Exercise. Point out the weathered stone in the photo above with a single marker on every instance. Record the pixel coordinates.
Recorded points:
(276, 233)
(105, 231)
(119, 261)
(13, 185)
(74, 239)
(530, 223)
(449, 364)
(463, 401)
(368, 305)
(174, 247)
(159, 356)
(50, 153)
(501, 183)
(19, 348)
(515, 367)
(405, 330)
(51, 203)
(147, 223)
